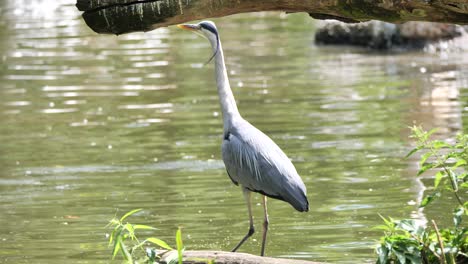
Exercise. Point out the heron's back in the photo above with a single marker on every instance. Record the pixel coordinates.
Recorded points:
(253, 160)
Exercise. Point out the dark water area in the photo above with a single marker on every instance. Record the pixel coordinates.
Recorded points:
(97, 125)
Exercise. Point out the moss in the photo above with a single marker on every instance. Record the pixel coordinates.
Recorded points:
(364, 10)
(415, 13)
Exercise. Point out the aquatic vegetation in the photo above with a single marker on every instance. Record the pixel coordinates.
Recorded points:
(124, 239)
(407, 241)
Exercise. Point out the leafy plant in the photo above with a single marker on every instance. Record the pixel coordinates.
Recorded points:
(450, 159)
(407, 241)
(123, 239)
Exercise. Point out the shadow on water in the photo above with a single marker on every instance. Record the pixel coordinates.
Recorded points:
(95, 125)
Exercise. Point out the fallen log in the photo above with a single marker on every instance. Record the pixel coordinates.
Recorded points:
(224, 257)
(380, 35)
(124, 16)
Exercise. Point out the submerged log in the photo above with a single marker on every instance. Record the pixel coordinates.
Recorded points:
(382, 35)
(223, 257)
(124, 16)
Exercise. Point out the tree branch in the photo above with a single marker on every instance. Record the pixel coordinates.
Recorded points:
(124, 16)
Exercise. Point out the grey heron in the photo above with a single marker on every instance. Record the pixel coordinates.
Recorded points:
(251, 158)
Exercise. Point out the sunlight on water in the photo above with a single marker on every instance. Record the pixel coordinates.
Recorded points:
(94, 125)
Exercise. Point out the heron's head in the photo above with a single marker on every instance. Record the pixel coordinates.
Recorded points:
(206, 29)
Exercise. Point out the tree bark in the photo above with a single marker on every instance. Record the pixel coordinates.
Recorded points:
(223, 257)
(124, 16)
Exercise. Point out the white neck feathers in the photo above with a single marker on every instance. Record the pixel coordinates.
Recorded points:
(226, 98)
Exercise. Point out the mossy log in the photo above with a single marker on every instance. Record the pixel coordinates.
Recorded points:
(124, 16)
(223, 257)
(380, 35)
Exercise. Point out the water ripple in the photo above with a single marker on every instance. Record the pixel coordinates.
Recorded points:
(91, 94)
(58, 110)
(146, 106)
(187, 165)
(18, 103)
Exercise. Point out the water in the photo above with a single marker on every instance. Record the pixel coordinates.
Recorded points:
(94, 126)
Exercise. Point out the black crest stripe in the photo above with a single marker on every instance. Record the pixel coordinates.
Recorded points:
(210, 28)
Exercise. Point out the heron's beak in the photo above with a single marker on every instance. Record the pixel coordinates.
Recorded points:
(190, 27)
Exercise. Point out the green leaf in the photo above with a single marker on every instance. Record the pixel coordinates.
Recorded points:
(159, 242)
(463, 176)
(382, 251)
(412, 152)
(129, 228)
(144, 227)
(438, 177)
(414, 259)
(124, 250)
(429, 199)
(424, 157)
(401, 256)
(129, 214)
(117, 244)
(457, 215)
(112, 236)
(426, 167)
(409, 225)
(437, 144)
(180, 245)
(459, 163)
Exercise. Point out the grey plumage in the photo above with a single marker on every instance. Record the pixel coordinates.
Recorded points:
(251, 158)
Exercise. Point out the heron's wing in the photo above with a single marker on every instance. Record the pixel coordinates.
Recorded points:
(241, 161)
(256, 162)
(229, 174)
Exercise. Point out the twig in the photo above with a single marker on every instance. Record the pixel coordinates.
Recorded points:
(442, 255)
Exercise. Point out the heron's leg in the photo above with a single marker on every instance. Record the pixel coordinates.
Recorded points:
(265, 225)
(251, 227)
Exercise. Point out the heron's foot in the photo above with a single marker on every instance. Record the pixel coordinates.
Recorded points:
(249, 234)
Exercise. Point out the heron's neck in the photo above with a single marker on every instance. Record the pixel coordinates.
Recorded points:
(226, 98)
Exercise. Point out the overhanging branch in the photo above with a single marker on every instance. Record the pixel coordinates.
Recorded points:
(124, 16)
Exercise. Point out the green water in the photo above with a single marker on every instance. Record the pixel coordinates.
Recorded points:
(94, 125)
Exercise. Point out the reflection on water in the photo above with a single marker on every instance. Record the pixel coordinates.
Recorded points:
(93, 125)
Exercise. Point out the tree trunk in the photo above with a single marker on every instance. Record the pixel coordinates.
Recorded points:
(223, 257)
(124, 16)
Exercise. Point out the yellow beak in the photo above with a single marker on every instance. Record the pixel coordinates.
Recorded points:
(189, 27)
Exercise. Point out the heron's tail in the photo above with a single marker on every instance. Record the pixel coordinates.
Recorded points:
(296, 196)
(301, 204)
